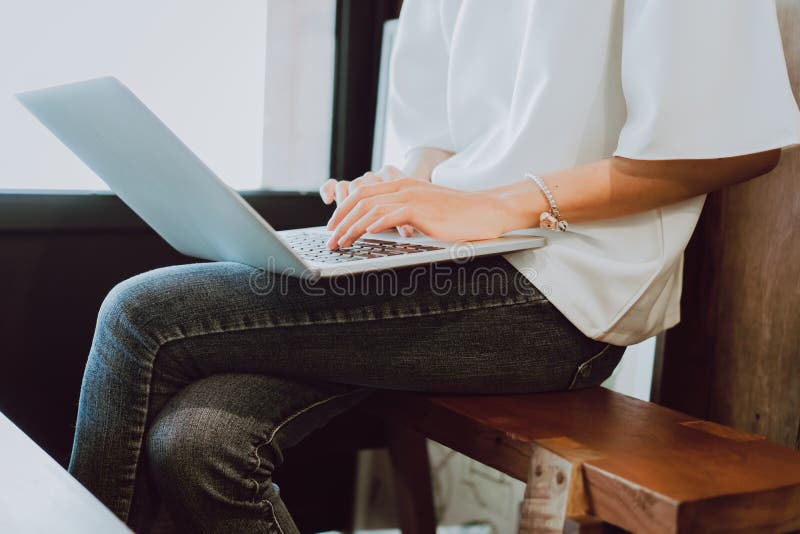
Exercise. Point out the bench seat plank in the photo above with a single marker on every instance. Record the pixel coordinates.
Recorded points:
(646, 468)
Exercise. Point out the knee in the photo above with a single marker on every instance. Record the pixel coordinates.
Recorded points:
(151, 303)
(129, 330)
(199, 453)
(178, 448)
(129, 307)
(141, 311)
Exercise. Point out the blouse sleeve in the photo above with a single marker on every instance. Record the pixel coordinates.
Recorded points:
(418, 77)
(704, 79)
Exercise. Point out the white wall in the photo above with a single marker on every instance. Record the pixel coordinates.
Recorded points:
(199, 64)
(634, 374)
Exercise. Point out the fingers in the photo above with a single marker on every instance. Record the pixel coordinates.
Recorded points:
(363, 201)
(338, 190)
(359, 227)
(342, 190)
(405, 230)
(397, 217)
(367, 207)
(369, 178)
(328, 191)
(368, 191)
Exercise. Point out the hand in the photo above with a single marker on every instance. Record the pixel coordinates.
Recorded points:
(438, 212)
(339, 190)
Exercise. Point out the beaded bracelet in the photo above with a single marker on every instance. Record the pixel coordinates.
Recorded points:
(551, 220)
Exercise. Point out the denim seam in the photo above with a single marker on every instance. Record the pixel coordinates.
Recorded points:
(274, 517)
(367, 319)
(141, 431)
(584, 364)
(271, 437)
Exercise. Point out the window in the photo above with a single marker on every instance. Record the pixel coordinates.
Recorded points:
(299, 90)
(247, 85)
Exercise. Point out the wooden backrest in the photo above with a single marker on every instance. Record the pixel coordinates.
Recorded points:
(735, 357)
(646, 468)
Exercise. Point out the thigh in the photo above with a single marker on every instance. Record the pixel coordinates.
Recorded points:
(477, 327)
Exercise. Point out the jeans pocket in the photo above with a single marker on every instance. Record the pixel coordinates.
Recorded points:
(597, 368)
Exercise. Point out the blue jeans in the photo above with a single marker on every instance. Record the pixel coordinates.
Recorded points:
(201, 376)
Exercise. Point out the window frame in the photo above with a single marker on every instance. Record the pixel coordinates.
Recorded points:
(359, 34)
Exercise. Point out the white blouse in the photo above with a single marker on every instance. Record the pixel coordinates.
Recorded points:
(543, 85)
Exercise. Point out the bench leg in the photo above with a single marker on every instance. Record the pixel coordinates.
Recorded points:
(587, 524)
(412, 480)
(553, 493)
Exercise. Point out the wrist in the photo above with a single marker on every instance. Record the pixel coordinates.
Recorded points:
(518, 205)
(420, 162)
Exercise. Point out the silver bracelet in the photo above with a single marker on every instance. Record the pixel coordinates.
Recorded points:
(551, 220)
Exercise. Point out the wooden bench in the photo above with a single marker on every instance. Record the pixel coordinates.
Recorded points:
(595, 457)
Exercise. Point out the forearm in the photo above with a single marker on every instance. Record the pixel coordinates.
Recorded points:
(606, 189)
(421, 161)
(617, 187)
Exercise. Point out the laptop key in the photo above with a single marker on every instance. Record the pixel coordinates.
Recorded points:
(378, 241)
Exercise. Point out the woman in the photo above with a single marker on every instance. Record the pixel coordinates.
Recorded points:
(603, 122)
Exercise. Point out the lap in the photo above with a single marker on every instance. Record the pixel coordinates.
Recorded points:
(477, 327)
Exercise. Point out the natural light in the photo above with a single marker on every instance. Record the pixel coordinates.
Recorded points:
(206, 68)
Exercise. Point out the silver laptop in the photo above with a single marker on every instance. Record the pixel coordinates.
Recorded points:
(168, 186)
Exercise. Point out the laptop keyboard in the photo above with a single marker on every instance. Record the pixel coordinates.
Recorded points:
(311, 246)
